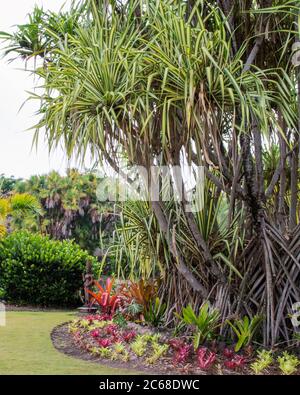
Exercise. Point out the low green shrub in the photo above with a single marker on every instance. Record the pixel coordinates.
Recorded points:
(39, 271)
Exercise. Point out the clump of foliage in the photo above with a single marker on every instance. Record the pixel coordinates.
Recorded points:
(204, 323)
(245, 329)
(158, 350)
(263, 361)
(140, 301)
(182, 353)
(154, 314)
(235, 362)
(288, 363)
(205, 358)
(139, 346)
(7, 184)
(104, 297)
(39, 271)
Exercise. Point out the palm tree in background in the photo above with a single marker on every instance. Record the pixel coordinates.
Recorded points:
(71, 209)
(16, 206)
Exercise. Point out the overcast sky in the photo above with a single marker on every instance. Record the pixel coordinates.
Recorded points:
(16, 156)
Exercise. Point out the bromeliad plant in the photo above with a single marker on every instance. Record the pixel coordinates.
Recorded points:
(236, 362)
(263, 361)
(105, 298)
(244, 329)
(288, 363)
(140, 293)
(205, 323)
(205, 358)
(158, 351)
(154, 314)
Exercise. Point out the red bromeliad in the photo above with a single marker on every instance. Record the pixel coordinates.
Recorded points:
(129, 336)
(176, 344)
(104, 297)
(182, 354)
(95, 333)
(104, 343)
(238, 361)
(112, 329)
(205, 358)
(228, 353)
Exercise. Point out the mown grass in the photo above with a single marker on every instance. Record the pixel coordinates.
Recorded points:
(26, 347)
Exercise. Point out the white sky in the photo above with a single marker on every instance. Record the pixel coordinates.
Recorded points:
(16, 156)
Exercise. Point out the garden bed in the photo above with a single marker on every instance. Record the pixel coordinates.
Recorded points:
(139, 348)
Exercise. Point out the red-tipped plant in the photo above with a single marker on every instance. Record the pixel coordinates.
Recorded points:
(112, 329)
(205, 358)
(129, 336)
(228, 353)
(104, 343)
(182, 354)
(237, 362)
(95, 333)
(104, 297)
(176, 344)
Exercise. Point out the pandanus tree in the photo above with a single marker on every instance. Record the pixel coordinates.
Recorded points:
(209, 83)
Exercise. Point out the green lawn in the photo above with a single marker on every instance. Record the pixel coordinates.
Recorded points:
(26, 348)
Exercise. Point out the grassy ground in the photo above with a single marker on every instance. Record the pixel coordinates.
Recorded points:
(26, 348)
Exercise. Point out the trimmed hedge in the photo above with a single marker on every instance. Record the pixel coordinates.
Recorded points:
(39, 271)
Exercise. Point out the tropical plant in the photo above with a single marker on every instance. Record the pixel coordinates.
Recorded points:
(245, 329)
(119, 348)
(205, 323)
(134, 309)
(182, 353)
(262, 362)
(7, 184)
(139, 346)
(155, 312)
(106, 300)
(140, 293)
(236, 362)
(288, 363)
(120, 320)
(17, 206)
(159, 350)
(205, 358)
